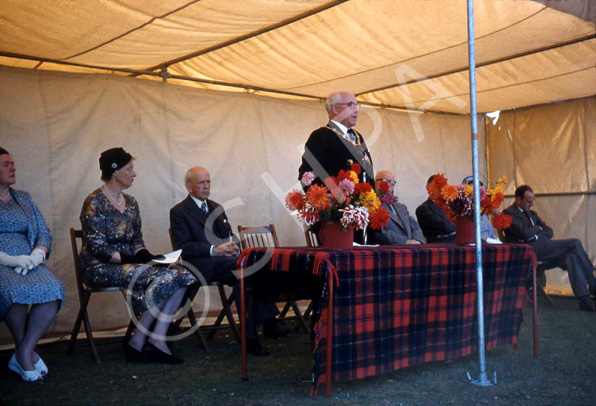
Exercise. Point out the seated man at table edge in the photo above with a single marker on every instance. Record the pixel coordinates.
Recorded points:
(208, 244)
(433, 220)
(528, 228)
(401, 228)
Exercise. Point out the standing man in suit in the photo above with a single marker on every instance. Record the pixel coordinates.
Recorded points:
(433, 220)
(329, 148)
(199, 226)
(528, 228)
(401, 228)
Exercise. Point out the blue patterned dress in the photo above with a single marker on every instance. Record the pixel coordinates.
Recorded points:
(106, 231)
(22, 228)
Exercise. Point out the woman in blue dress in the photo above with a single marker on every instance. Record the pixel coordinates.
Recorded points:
(114, 254)
(25, 280)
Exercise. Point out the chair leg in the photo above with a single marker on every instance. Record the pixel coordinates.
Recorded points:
(83, 317)
(215, 326)
(193, 322)
(298, 314)
(546, 295)
(285, 310)
(90, 338)
(129, 330)
(225, 312)
(228, 312)
(308, 310)
(77, 325)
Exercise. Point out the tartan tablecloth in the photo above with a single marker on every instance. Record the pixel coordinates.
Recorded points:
(398, 306)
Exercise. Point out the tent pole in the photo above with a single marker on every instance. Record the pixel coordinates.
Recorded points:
(482, 380)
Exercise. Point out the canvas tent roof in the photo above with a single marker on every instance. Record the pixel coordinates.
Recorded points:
(528, 52)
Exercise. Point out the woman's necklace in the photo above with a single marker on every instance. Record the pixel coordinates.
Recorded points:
(5, 196)
(114, 196)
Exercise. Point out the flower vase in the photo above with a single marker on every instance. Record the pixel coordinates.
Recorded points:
(334, 237)
(464, 234)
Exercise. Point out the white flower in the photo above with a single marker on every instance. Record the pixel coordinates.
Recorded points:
(356, 217)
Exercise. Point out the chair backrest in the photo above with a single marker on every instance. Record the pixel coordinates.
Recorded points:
(259, 236)
(74, 235)
(500, 234)
(312, 240)
(171, 240)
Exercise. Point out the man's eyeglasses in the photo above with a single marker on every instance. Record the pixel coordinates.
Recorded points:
(391, 182)
(351, 105)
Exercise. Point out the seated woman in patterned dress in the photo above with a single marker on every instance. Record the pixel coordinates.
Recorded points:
(25, 280)
(114, 254)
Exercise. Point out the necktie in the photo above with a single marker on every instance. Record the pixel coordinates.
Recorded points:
(204, 207)
(352, 135)
(527, 213)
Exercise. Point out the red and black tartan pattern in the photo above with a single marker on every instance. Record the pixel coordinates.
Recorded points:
(399, 306)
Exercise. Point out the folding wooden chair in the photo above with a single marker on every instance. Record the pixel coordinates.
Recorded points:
(226, 312)
(265, 236)
(84, 297)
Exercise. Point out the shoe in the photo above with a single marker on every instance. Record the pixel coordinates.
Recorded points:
(133, 355)
(587, 305)
(270, 330)
(253, 346)
(152, 353)
(28, 376)
(41, 367)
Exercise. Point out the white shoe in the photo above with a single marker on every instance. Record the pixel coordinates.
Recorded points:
(41, 367)
(28, 376)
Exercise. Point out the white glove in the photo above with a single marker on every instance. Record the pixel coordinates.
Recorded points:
(12, 261)
(37, 256)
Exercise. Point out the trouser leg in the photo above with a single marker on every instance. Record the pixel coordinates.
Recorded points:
(570, 255)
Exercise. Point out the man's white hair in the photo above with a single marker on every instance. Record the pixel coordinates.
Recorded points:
(333, 99)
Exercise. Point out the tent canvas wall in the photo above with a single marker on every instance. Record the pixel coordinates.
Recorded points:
(55, 117)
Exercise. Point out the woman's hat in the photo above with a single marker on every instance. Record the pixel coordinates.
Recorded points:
(113, 159)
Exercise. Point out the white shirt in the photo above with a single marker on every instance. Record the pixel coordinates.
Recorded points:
(342, 127)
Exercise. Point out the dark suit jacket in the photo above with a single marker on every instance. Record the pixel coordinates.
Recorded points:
(401, 228)
(326, 153)
(522, 231)
(434, 222)
(195, 232)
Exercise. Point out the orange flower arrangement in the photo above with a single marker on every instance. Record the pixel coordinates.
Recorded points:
(342, 198)
(458, 200)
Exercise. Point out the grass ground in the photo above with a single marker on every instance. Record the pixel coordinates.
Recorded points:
(563, 374)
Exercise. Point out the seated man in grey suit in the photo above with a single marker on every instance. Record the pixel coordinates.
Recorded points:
(199, 226)
(402, 228)
(528, 228)
(433, 220)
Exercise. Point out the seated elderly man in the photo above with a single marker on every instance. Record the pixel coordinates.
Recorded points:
(528, 228)
(433, 220)
(401, 228)
(486, 228)
(199, 226)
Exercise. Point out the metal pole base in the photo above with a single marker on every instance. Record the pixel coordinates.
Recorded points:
(482, 379)
(478, 382)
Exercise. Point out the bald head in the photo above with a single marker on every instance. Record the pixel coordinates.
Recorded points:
(198, 182)
(387, 176)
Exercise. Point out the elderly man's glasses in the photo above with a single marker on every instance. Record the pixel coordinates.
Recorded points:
(391, 182)
(351, 105)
